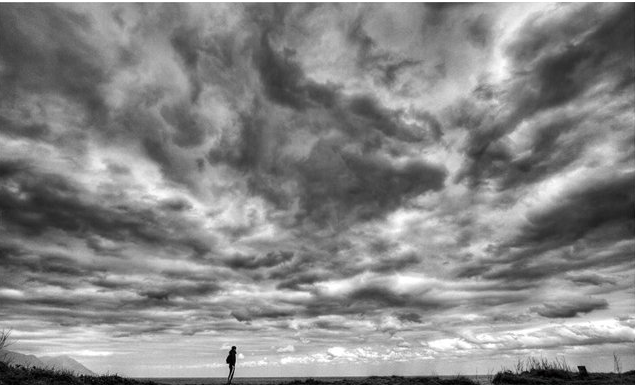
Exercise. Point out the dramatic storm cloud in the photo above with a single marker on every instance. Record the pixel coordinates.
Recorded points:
(348, 189)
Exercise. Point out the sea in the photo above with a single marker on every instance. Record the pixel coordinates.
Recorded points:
(481, 379)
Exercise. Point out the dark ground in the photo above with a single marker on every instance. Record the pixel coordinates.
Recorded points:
(561, 377)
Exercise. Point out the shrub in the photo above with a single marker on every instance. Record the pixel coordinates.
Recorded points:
(4, 338)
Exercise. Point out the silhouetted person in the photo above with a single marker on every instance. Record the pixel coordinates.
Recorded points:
(231, 360)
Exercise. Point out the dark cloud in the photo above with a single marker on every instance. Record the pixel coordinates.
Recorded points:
(272, 18)
(371, 58)
(43, 50)
(478, 30)
(409, 317)
(118, 169)
(251, 262)
(591, 279)
(286, 83)
(299, 280)
(366, 46)
(156, 149)
(410, 179)
(307, 268)
(51, 201)
(123, 318)
(397, 263)
(379, 296)
(365, 299)
(547, 154)
(256, 312)
(472, 270)
(156, 295)
(174, 164)
(527, 266)
(59, 308)
(487, 156)
(32, 130)
(190, 129)
(8, 251)
(554, 63)
(23, 268)
(284, 80)
(176, 204)
(246, 153)
(570, 309)
(70, 302)
(330, 179)
(324, 263)
(60, 264)
(368, 186)
(434, 126)
(392, 70)
(600, 202)
(322, 178)
(185, 290)
(329, 325)
(370, 297)
(186, 43)
(191, 47)
(437, 13)
(598, 25)
(388, 122)
(8, 168)
(44, 202)
(241, 316)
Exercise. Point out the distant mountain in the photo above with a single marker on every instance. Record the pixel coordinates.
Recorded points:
(15, 359)
(56, 362)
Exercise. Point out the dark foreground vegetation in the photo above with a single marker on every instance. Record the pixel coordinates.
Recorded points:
(563, 378)
(533, 371)
(10, 375)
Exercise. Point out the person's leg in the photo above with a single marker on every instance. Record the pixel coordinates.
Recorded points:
(232, 368)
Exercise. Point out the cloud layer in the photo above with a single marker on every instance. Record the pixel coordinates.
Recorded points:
(368, 188)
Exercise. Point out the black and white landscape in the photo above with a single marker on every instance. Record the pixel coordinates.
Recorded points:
(336, 189)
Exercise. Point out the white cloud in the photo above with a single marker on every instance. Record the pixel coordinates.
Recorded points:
(85, 353)
(286, 349)
(539, 337)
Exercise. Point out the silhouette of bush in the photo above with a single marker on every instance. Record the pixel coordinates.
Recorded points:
(19, 375)
(550, 373)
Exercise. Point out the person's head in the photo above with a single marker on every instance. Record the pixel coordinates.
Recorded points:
(233, 348)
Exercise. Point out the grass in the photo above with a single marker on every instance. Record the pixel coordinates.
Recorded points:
(18, 375)
(538, 371)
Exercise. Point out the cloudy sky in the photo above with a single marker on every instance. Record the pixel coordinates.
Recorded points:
(337, 189)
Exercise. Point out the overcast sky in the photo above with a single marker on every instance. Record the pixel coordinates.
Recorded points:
(337, 189)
